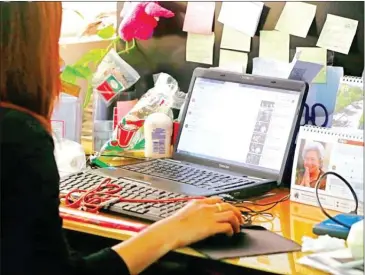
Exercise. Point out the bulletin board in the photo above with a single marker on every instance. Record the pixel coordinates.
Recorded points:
(165, 52)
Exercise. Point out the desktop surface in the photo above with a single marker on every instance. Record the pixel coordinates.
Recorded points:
(291, 220)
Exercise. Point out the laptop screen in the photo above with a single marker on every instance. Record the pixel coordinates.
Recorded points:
(238, 124)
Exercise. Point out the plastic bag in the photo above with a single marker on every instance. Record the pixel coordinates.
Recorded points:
(128, 135)
(113, 76)
(70, 156)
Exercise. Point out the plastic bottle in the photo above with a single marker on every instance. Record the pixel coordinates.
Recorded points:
(158, 132)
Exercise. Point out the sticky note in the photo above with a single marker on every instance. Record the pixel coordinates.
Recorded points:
(199, 17)
(274, 45)
(199, 48)
(337, 34)
(296, 18)
(235, 40)
(233, 61)
(241, 16)
(315, 55)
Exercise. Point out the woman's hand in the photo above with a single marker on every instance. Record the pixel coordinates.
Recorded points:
(200, 219)
(196, 221)
(306, 178)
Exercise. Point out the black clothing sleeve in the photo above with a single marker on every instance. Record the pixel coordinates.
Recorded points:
(32, 240)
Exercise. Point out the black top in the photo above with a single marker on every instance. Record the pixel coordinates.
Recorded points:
(32, 240)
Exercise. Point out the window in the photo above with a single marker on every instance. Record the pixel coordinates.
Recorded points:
(81, 20)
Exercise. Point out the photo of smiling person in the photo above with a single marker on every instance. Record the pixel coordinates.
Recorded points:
(311, 165)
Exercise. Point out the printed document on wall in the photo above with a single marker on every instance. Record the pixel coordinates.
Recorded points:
(199, 17)
(296, 18)
(274, 45)
(199, 48)
(241, 16)
(235, 40)
(233, 61)
(337, 34)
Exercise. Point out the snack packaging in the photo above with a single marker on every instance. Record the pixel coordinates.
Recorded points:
(128, 136)
(113, 76)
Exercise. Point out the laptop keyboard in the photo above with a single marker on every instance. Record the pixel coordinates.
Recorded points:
(131, 190)
(201, 178)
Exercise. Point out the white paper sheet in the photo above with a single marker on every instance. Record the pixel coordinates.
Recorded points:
(296, 18)
(241, 16)
(296, 70)
(337, 34)
(235, 40)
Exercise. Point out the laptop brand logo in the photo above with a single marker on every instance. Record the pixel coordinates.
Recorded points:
(224, 166)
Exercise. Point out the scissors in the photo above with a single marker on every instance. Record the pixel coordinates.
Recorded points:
(310, 114)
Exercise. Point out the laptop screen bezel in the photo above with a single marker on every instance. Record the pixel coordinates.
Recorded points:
(265, 82)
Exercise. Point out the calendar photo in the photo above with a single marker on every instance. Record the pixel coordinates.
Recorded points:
(320, 150)
(312, 163)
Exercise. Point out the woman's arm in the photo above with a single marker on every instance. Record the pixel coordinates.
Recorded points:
(35, 243)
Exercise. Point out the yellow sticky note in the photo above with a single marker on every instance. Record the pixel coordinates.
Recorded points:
(296, 18)
(235, 40)
(199, 48)
(233, 61)
(315, 55)
(274, 45)
(337, 34)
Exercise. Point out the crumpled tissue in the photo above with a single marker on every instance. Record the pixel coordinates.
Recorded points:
(322, 243)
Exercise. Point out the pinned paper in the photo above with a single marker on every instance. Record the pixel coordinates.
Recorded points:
(296, 18)
(199, 48)
(235, 40)
(241, 16)
(315, 55)
(296, 70)
(199, 17)
(274, 45)
(337, 34)
(233, 61)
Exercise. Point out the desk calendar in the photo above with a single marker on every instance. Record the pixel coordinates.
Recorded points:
(319, 150)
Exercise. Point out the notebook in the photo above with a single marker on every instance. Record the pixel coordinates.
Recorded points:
(349, 108)
(319, 150)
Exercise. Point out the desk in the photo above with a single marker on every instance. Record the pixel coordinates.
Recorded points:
(292, 220)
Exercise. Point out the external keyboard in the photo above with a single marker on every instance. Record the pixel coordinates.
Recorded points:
(207, 179)
(131, 190)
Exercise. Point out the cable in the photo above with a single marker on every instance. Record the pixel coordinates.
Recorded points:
(106, 193)
(352, 192)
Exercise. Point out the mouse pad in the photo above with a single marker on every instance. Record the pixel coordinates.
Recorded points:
(252, 241)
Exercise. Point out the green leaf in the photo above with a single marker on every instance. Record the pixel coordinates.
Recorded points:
(68, 75)
(71, 73)
(107, 32)
(92, 57)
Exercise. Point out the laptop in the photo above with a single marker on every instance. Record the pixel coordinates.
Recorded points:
(235, 135)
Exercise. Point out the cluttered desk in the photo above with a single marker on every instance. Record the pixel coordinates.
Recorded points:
(238, 136)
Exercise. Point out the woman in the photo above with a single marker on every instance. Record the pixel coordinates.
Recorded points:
(313, 153)
(31, 229)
